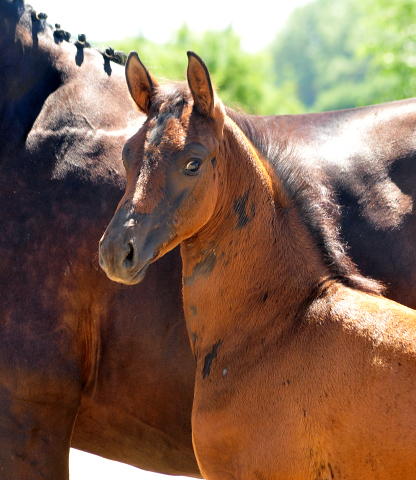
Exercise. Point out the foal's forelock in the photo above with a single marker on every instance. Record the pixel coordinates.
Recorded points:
(173, 97)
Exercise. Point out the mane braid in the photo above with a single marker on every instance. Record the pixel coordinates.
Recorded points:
(36, 22)
(309, 190)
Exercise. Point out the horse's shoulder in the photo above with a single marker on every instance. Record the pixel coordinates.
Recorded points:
(373, 318)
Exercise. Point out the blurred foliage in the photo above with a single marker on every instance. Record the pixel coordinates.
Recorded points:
(391, 42)
(329, 55)
(348, 53)
(317, 50)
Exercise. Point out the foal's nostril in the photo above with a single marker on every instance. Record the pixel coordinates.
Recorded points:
(130, 255)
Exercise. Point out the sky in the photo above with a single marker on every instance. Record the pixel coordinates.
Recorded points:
(256, 22)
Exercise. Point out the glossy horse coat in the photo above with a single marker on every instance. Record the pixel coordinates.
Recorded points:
(80, 363)
(303, 370)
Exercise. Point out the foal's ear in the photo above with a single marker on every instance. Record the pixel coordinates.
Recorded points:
(200, 84)
(141, 84)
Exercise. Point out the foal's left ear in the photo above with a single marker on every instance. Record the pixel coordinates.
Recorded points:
(141, 84)
(200, 84)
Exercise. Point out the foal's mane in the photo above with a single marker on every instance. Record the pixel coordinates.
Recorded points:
(309, 190)
(306, 186)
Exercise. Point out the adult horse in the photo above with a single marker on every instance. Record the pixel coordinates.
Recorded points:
(79, 362)
(303, 370)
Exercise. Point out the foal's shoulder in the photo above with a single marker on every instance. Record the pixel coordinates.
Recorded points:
(379, 321)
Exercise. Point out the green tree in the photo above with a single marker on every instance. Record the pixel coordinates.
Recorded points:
(329, 55)
(317, 50)
(391, 41)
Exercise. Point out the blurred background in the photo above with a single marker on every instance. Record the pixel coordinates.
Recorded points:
(266, 57)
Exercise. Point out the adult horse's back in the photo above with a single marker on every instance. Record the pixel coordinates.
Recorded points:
(76, 356)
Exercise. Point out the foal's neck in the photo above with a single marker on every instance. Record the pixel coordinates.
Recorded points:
(254, 264)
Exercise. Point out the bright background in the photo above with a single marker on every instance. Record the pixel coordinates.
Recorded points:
(84, 466)
(256, 23)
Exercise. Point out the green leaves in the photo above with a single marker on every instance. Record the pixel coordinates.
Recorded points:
(392, 44)
(349, 53)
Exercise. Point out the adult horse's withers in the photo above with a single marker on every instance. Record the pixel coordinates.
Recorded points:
(304, 370)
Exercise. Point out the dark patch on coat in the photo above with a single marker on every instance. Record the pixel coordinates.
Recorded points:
(204, 267)
(208, 360)
(194, 310)
(313, 193)
(240, 205)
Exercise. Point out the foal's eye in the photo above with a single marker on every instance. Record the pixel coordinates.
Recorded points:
(192, 167)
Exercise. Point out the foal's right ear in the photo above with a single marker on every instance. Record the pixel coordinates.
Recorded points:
(141, 84)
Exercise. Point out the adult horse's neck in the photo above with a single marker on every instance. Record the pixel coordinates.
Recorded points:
(255, 256)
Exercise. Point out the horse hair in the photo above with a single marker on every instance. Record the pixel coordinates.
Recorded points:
(37, 23)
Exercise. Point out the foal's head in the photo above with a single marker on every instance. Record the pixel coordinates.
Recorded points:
(172, 177)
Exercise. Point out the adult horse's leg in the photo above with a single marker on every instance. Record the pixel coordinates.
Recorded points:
(35, 434)
(40, 372)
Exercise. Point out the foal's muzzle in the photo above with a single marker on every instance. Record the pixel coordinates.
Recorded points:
(126, 248)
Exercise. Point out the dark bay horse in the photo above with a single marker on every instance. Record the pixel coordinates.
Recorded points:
(303, 370)
(80, 363)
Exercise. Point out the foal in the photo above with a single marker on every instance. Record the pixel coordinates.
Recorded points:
(303, 371)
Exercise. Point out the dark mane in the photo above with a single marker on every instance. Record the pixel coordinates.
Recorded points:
(309, 189)
(25, 15)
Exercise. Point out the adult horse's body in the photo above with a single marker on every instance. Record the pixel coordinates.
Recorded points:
(79, 362)
(303, 370)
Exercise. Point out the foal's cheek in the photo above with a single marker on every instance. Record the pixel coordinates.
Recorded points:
(206, 194)
(196, 209)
